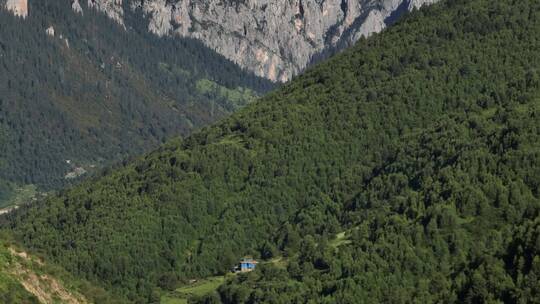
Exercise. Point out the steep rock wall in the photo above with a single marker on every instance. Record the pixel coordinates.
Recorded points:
(275, 39)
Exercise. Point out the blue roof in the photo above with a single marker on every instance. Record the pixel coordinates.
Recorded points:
(248, 265)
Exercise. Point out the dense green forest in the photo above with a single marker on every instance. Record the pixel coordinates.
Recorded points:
(406, 169)
(96, 92)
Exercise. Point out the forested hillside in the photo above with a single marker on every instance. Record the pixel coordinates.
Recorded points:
(82, 88)
(26, 279)
(406, 169)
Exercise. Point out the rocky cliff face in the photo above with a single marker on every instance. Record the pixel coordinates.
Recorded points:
(275, 39)
(18, 7)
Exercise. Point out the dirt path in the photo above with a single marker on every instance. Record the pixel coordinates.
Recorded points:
(8, 210)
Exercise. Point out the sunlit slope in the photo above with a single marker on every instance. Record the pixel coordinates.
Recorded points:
(431, 124)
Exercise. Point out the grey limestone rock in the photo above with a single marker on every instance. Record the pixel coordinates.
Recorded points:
(275, 39)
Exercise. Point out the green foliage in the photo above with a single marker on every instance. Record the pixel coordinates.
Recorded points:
(7, 190)
(166, 299)
(96, 92)
(421, 143)
(202, 288)
(235, 98)
(168, 281)
(14, 196)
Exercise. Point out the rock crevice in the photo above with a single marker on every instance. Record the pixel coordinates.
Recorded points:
(275, 39)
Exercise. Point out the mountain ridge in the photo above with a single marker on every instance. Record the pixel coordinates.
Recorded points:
(274, 39)
(405, 169)
(419, 145)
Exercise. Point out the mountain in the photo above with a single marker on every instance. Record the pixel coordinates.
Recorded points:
(405, 169)
(274, 39)
(78, 92)
(109, 89)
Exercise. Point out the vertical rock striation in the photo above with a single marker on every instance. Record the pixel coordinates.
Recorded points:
(76, 6)
(275, 39)
(112, 8)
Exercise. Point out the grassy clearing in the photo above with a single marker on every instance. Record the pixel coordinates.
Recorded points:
(202, 287)
(19, 196)
(279, 262)
(340, 240)
(237, 98)
(169, 299)
(197, 289)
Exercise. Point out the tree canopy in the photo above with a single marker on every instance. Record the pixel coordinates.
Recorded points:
(406, 169)
(95, 92)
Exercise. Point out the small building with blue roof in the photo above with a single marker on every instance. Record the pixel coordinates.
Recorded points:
(247, 265)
